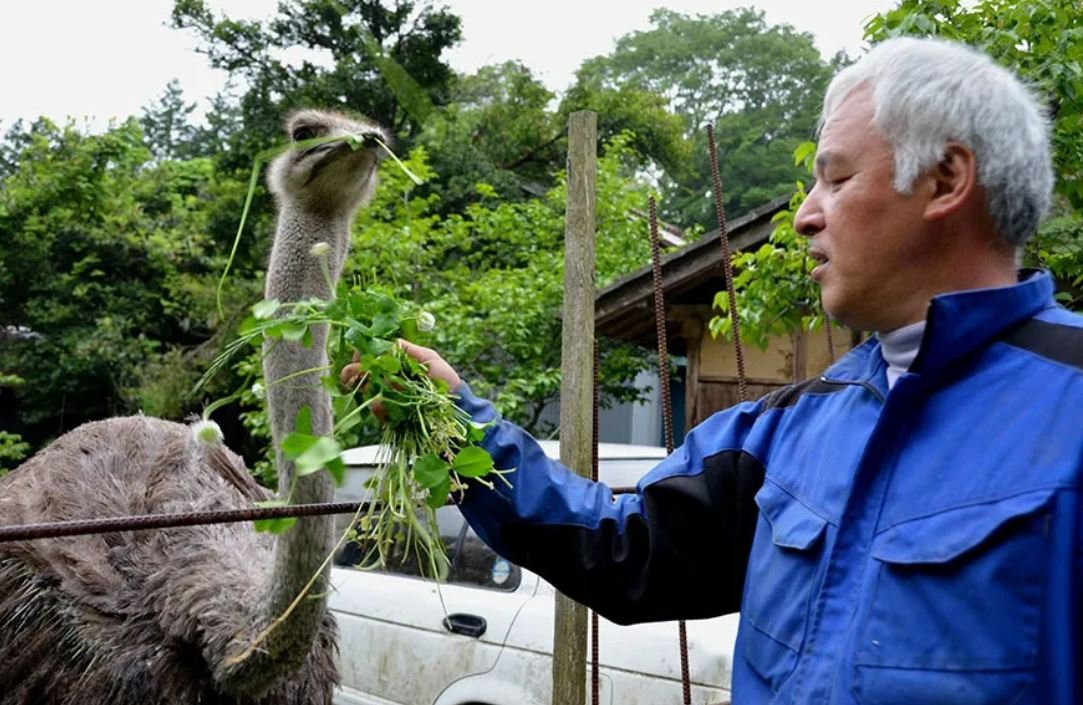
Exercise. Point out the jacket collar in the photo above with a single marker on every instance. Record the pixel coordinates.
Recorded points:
(958, 324)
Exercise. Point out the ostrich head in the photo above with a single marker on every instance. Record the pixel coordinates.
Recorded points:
(331, 179)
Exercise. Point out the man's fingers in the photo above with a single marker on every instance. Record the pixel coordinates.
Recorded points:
(438, 367)
(350, 375)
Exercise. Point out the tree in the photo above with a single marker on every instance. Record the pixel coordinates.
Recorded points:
(106, 264)
(166, 126)
(761, 86)
(497, 129)
(353, 52)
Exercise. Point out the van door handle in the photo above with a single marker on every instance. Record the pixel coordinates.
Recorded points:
(465, 624)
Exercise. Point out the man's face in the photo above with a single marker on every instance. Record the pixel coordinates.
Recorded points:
(868, 239)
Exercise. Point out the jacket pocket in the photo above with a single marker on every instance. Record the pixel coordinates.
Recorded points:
(784, 566)
(955, 612)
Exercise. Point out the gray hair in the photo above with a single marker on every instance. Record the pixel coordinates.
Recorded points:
(929, 92)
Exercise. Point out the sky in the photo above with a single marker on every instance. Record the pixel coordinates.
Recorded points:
(92, 60)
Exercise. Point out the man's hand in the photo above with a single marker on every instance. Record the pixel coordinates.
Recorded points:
(437, 367)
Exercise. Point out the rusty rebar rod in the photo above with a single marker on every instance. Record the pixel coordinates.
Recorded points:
(727, 265)
(143, 522)
(146, 522)
(667, 402)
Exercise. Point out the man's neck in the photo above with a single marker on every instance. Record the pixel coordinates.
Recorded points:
(899, 348)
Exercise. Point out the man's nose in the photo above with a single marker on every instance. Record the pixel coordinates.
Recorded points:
(809, 219)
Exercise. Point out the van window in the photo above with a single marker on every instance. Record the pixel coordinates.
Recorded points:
(471, 562)
(478, 565)
(401, 561)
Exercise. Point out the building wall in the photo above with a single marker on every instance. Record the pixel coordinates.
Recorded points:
(714, 384)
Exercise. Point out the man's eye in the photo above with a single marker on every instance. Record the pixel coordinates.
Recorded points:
(303, 133)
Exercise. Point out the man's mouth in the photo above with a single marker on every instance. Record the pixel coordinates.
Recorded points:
(821, 259)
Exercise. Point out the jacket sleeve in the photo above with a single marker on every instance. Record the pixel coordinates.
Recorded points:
(676, 549)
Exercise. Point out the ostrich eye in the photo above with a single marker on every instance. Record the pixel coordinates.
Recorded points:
(303, 133)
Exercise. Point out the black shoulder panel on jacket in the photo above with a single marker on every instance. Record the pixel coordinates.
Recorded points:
(789, 396)
(1063, 344)
(683, 557)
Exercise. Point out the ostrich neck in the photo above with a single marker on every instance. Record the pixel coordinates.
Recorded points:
(295, 273)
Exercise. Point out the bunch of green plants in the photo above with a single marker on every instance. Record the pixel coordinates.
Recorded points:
(429, 444)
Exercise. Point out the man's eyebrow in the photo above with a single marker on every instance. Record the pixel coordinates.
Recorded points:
(829, 158)
(826, 159)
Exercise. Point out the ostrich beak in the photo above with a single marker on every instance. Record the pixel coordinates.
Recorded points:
(371, 141)
(329, 151)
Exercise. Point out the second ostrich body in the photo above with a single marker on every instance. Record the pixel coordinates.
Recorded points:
(156, 617)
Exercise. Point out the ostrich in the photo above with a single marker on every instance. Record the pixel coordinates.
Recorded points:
(157, 617)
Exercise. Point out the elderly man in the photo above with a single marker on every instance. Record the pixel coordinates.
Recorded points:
(909, 523)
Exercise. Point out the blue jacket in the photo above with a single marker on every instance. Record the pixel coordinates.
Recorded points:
(921, 545)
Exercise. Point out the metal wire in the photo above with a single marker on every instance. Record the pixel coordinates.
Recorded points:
(667, 402)
(727, 265)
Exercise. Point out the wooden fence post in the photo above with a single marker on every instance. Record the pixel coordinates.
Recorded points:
(577, 382)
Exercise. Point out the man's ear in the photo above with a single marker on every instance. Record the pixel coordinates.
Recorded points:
(954, 180)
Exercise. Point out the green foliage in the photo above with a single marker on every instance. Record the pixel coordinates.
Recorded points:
(761, 86)
(492, 275)
(361, 55)
(428, 438)
(497, 130)
(12, 447)
(105, 257)
(166, 126)
(775, 295)
(1058, 247)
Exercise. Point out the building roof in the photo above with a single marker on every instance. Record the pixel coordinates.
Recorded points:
(691, 276)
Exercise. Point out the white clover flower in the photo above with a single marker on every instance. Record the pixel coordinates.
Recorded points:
(207, 432)
(425, 321)
(320, 249)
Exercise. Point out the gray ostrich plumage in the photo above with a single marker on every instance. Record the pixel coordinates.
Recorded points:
(157, 617)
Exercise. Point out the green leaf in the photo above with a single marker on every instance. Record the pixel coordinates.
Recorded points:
(438, 495)
(295, 444)
(389, 364)
(250, 325)
(265, 309)
(803, 152)
(408, 330)
(430, 470)
(472, 462)
(337, 468)
(316, 456)
(384, 325)
(376, 346)
(303, 422)
(294, 330)
(274, 526)
(475, 432)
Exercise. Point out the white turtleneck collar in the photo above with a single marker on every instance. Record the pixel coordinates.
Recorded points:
(899, 348)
